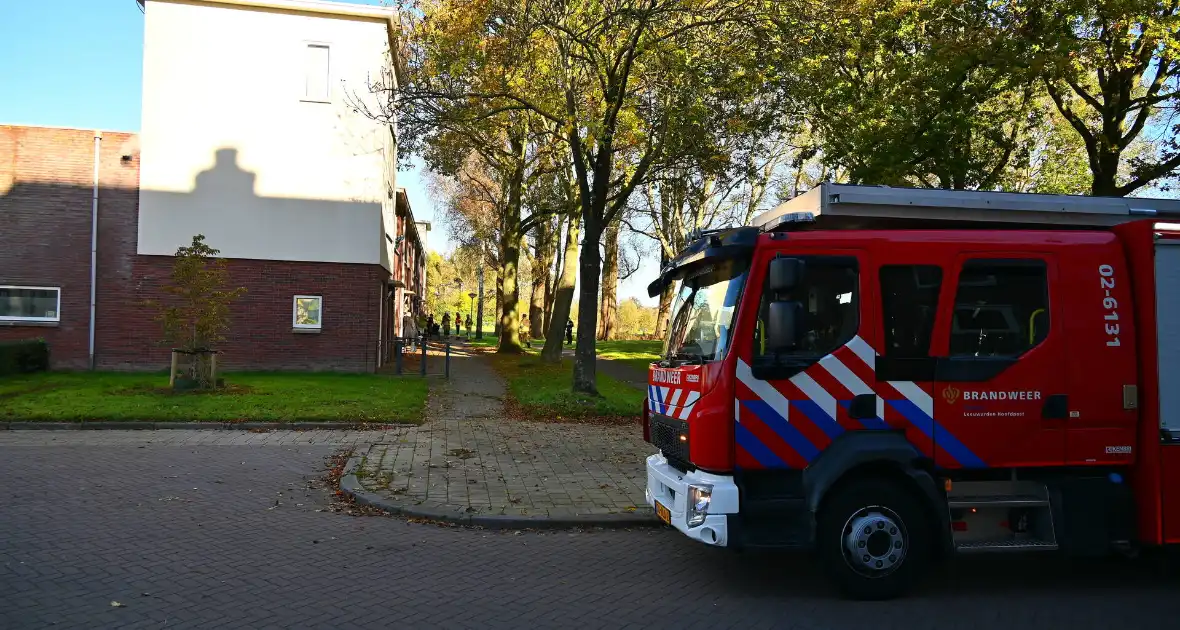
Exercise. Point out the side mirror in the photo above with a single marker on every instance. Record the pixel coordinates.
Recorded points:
(785, 274)
(782, 326)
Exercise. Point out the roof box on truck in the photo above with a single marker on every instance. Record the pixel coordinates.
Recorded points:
(842, 206)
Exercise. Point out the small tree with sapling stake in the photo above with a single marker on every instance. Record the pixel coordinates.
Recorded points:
(198, 315)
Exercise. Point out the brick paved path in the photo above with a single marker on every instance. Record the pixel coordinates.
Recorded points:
(197, 535)
(469, 460)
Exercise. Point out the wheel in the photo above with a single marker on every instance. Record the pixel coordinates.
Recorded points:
(874, 539)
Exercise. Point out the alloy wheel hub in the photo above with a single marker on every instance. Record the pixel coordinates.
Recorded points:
(874, 541)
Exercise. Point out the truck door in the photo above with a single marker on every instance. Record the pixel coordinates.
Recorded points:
(1103, 418)
(911, 286)
(1000, 387)
(1167, 295)
(791, 405)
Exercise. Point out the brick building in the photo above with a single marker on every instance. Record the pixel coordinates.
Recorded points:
(295, 189)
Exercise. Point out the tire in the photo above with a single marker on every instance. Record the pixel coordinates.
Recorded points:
(893, 552)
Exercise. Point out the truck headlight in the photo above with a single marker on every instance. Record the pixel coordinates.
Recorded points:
(699, 498)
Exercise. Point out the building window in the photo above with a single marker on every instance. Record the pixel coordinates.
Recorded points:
(30, 304)
(315, 74)
(1001, 308)
(308, 312)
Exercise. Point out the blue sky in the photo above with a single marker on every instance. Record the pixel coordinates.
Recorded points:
(79, 63)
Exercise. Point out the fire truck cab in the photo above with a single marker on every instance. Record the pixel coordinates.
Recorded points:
(891, 376)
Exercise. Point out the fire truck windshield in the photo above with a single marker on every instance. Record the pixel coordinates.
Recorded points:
(702, 312)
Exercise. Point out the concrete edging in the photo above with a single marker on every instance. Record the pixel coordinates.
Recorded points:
(351, 486)
(193, 426)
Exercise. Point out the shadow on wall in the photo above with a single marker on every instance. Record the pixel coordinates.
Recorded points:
(277, 247)
(224, 206)
(225, 176)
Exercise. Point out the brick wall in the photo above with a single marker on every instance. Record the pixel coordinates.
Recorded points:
(46, 184)
(261, 336)
(46, 188)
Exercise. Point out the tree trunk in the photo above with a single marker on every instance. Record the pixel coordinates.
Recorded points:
(536, 309)
(609, 313)
(499, 302)
(1105, 173)
(590, 269)
(511, 237)
(510, 296)
(663, 314)
(479, 308)
(540, 280)
(552, 277)
(563, 295)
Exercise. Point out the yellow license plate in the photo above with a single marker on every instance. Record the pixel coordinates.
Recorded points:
(663, 512)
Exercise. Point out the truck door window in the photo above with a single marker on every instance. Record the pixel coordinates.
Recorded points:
(831, 316)
(1001, 308)
(909, 303)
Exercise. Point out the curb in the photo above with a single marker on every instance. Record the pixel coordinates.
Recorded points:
(197, 426)
(351, 486)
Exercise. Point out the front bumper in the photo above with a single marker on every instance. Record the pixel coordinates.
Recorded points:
(670, 487)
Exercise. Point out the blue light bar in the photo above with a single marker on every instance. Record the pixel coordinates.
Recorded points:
(788, 219)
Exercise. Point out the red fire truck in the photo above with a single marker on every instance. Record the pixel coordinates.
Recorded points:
(890, 376)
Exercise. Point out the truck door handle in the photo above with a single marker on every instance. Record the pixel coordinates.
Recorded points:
(863, 406)
(1056, 407)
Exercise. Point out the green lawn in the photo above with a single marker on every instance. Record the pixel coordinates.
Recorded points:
(622, 349)
(488, 341)
(543, 391)
(492, 341)
(271, 397)
(638, 354)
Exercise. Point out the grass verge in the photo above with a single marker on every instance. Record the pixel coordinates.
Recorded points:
(637, 354)
(541, 391)
(627, 349)
(268, 397)
(488, 341)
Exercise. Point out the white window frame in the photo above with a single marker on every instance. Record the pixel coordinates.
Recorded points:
(295, 312)
(36, 320)
(306, 97)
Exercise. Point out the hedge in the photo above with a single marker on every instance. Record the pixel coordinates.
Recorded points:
(26, 355)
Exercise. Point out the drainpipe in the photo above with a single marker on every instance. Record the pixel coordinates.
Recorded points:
(380, 323)
(94, 240)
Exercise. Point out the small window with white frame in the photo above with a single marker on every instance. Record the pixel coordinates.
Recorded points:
(316, 84)
(41, 305)
(308, 313)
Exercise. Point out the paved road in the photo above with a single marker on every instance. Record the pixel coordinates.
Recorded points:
(469, 459)
(202, 535)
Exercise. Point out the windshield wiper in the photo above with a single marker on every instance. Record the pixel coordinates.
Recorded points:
(691, 359)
